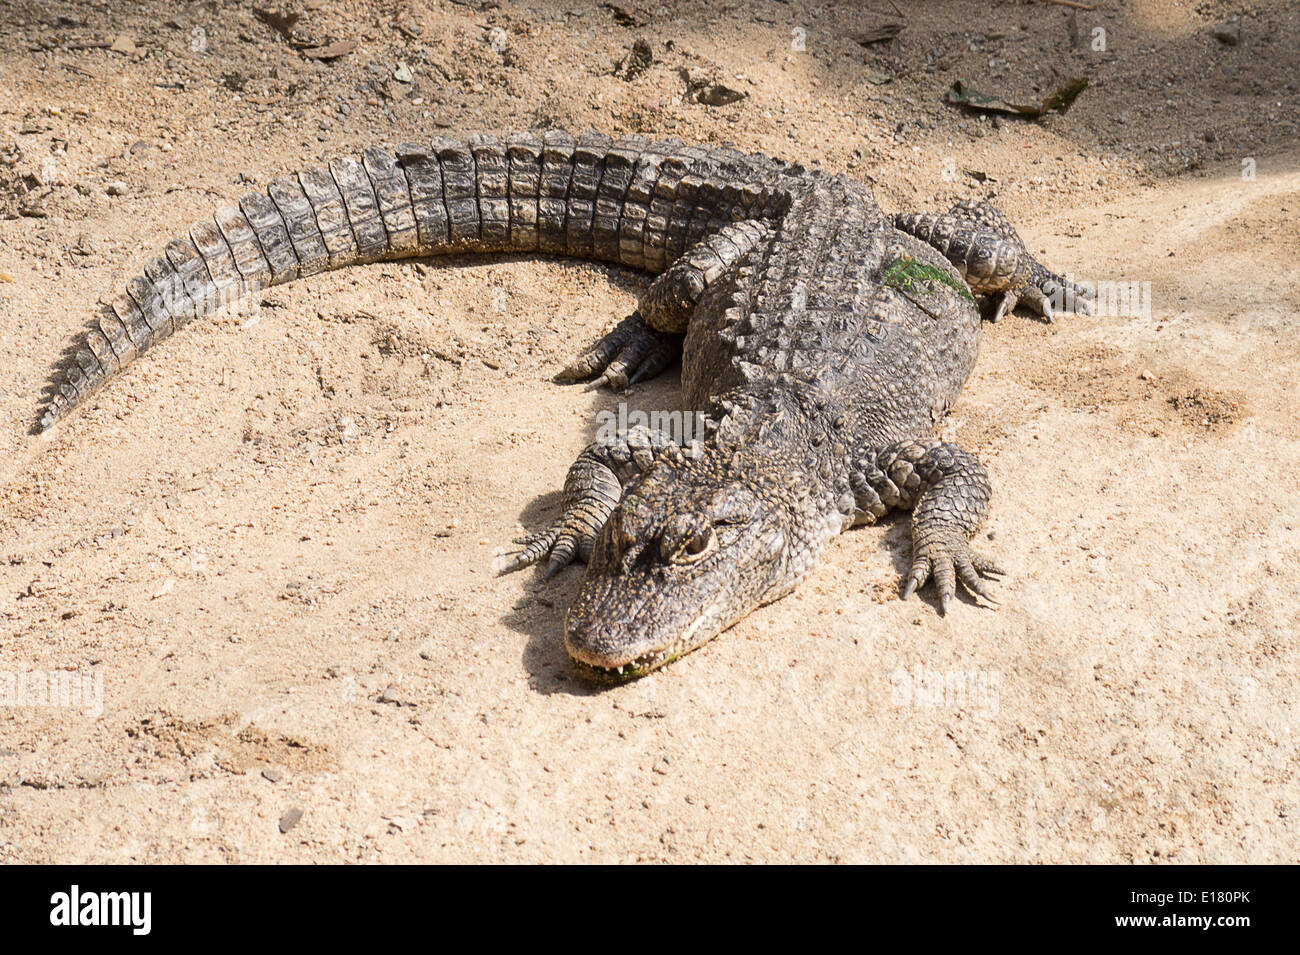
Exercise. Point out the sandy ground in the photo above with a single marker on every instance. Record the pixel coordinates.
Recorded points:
(269, 545)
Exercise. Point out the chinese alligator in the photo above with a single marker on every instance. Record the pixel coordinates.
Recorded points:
(822, 339)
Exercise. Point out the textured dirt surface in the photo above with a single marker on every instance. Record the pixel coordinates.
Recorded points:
(270, 543)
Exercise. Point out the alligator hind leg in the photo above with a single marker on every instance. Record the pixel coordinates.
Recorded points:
(592, 489)
(650, 339)
(948, 493)
(670, 301)
(981, 243)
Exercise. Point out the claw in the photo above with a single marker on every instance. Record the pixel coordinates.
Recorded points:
(918, 576)
(646, 370)
(513, 564)
(613, 377)
(1005, 304)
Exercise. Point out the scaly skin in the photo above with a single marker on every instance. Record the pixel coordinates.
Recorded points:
(822, 339)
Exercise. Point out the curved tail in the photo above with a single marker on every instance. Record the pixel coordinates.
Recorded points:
(629, 200)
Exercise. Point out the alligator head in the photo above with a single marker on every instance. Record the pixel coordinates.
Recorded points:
(694, 546)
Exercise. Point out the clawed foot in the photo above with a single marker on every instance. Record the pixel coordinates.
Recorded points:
(591, 492)
(632, 351)
(1040, 299)
(948, 559)
(1044, 298)
(561, 542)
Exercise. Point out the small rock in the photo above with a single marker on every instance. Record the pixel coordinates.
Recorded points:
(116, 188)
(390, 694)
(123, 44)
(716, 94)
(290, 819)
(403, 74)
(272, 776)
(637, 61)
(626, 16)
(1227, 35)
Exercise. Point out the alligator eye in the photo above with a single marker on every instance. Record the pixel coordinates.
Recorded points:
(699, 543)
(695, 546)
(686, 539)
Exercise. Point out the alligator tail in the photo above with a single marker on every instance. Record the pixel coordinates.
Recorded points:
(630, 201)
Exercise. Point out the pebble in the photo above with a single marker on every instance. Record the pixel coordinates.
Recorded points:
(116, 188)
(290, 819)
(272, 775)
(1226, 35)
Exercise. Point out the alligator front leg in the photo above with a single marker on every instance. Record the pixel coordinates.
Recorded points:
(592, 489)
(948, 493)
(650, 339)
(981, 243)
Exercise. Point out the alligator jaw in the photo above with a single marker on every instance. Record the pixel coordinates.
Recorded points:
(627, 672)
(612, 670)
